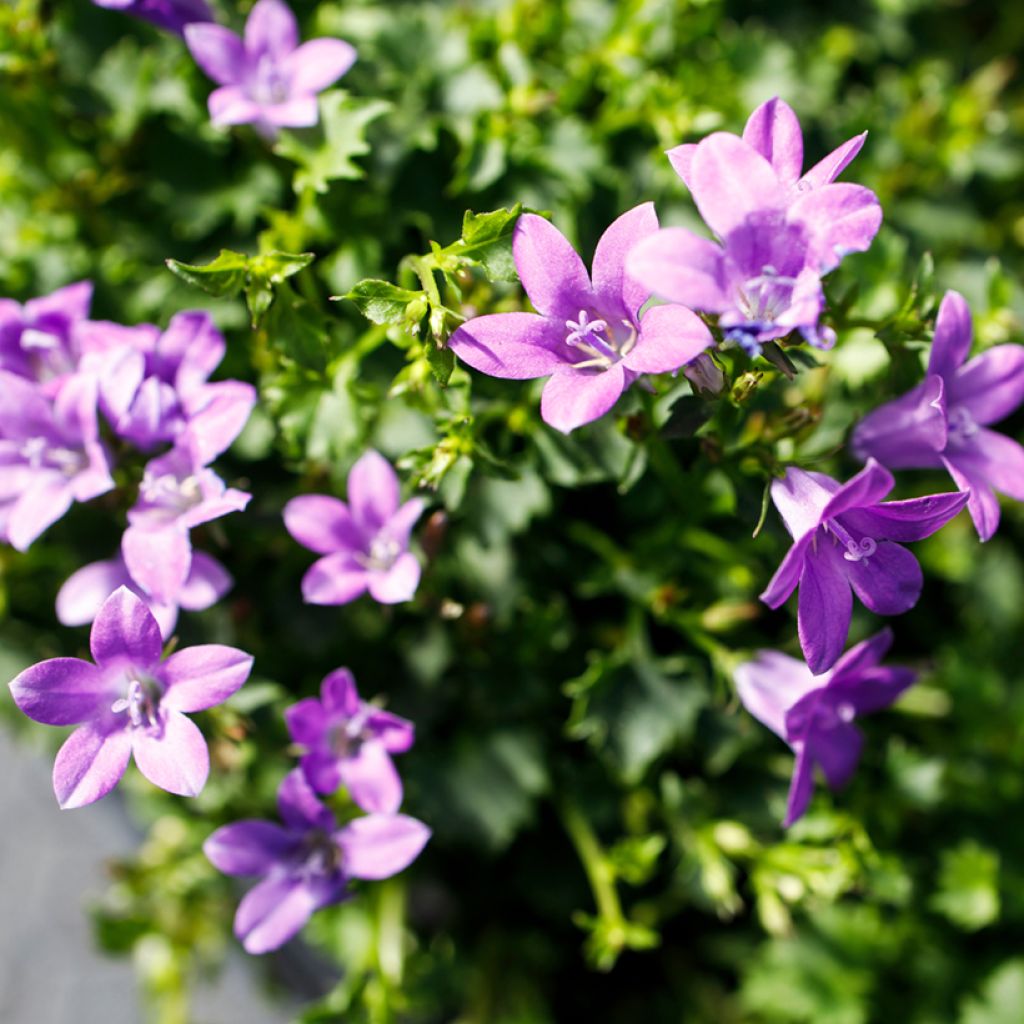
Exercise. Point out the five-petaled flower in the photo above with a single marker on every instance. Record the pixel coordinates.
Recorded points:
(587, 335)
(845, 536)
(814, 714)
(129, 703)
(349, 742)
(942, 422)
(365, 542)
(308, 863)
(266, 78)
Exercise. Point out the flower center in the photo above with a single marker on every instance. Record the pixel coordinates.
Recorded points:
(962, 424)
(320, 855)
(347, 737)
(40, 454)
(763, 298)
(603, 345)
(382, 555)
(168, 491)
(142, 701)
(856, 550)
(270, 84)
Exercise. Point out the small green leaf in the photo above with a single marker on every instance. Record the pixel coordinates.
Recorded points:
(382, 302)
(968, 886)
(276, 266)
(226, 275)
(487, 241)
(441, 362)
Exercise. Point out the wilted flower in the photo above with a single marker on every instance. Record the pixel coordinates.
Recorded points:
(349, 742)
(267, 79)
(365, 542)
(587, 336)
(942, 422)
(129, 702)
(308, 863)
(814, 714)
(846, 537)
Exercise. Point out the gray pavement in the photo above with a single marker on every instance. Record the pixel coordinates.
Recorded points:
(51, 863)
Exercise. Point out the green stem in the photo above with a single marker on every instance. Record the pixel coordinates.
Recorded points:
(600, 873)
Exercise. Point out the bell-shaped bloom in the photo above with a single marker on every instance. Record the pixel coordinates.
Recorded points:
(86, 590)
(308, 862)
(172, 15)
(38, 340)
(814, 714)
(846, 538)
(177, 493)
(129, 703)
(587, 335)
(763, 278)
(349, 742)
(365, 542)
(773, 130)
(943, 421)
(266, 78)
(50, 455)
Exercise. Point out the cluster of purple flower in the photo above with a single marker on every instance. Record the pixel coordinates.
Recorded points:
(265, 77)
(778, 231)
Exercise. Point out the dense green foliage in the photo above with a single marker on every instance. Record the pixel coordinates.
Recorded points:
(606, 817)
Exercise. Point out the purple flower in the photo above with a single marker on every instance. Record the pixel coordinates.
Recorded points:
(308, 863)
(773, 130)
(38, 341)
(177, 493)
(129, 702)
(267, 79)
(942, 422)
(172, 15)
(814, 714)
(85, 591)
(50, 455)
(764, 279)
(349, 742)
(365, 542)
(846, 537)
(587, 336)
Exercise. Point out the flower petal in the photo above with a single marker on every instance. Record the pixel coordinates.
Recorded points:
(513, 346)
(91, 762)
(679, 266)
(824, 609)
(613, 287)
(218, 51)
(889, 582)
(83, 592)
(681, 159)
(399, 526)
(984, 462)
(396, 733)
(825, 171)
(864, 490)
(551, 270)
(982, 504)
(198, 678)
(908, 432)
(176, 757)
(991, 385)
(125, 631)
(319, 63)
(865, 655)
(250, 847)
(398, 583)
(574, 397)
(271, 29)
(298, 805)
(306, 721)
(230, 105)
(774, 131)
(339, 694)
(801, 787)
(837, 750)
(61, 691)
(217, 414)
(373, 493)
(334, 579)
(902, 521)
(208, 581)
(787, 576)
(159, 560)
(275, 910)
(381, 845)
(322, 771)
(322, 524)
(670, 337)
(953, 333)
(300, 112)
(872, 689)
(771, 684)
(801, 497)
(46, 500)
(841, 218)
(371, 779)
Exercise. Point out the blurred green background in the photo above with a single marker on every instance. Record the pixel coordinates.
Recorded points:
(606, 817)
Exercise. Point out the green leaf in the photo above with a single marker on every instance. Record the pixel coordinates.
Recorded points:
(382, 302)
(441, 362)
(226, 275)
(1001, 999)
(487, 241)
(298, 330)
(275, 266)
(968, 892)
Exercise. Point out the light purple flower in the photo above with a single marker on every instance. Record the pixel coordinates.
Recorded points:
(587, 335)
(129, 703)
(845, 536)
(177, 493)
(764, 277)
(814, 714)
(172, 15)
(38, 341)
(942, 422)
(308, 863)
(773, 130)
(267, 79)
(365, 543)
(85, 591)
(50, 455)
(349, 742)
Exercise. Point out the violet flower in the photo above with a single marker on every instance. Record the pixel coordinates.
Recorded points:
(764, 277)
(50, 455)
(172, 15)
(267, 79)
(177, 493)
(814, 714)
(587, 336)
(85, 591)
(129, 703)
(942, 422)
(308, 862)
(846, 537)
(365, 543)
(773, 130)
(349, 742)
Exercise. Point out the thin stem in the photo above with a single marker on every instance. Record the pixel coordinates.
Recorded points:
(600, 873)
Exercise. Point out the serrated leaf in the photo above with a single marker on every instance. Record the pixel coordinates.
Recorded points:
(276, 266)
(382, 302)
(441, 362)
(226, 275)
(487, 240)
